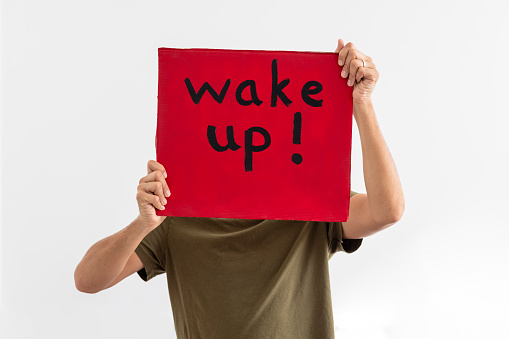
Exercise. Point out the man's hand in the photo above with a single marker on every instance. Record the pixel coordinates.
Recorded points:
(152, 193)
(361, 75)
(383, 204)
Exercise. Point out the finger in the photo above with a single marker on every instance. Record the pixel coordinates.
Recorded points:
(360, 74)
(154, 187)
(352, 54)
(149, 199)
(355, 65)
(343, 53)
(159, 177)
(153, 165)
(341, 44)
(365, 73)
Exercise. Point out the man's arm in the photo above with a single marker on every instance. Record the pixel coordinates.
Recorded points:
(384, 203)
(113, 258)
(110, 260)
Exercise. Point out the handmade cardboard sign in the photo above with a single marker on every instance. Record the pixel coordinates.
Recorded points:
(254, 134)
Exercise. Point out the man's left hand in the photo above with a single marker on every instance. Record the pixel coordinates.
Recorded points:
(361, 75)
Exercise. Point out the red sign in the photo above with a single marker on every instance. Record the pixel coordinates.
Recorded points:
(254, 134)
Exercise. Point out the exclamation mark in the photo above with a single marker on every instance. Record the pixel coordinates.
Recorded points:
(297, 123)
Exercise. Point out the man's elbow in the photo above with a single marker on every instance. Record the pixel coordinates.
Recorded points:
(391, 216)
(397, 212)
(81, 285)
(84, 289)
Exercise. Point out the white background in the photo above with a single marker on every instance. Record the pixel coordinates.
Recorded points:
(79, 95)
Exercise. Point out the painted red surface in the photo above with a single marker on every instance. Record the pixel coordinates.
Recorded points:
(205, 182)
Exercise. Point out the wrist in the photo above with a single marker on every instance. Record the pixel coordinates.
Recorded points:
(140, 226)
(362, 107)
(362, 104)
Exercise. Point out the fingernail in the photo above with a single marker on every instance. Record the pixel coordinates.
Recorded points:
(165, 175)
(168, 193)
(343, 74)
(340, 62)
(164, 201)
(161, 208)
(349, 83)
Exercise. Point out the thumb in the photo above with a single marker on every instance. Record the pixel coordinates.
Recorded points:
(341, 44)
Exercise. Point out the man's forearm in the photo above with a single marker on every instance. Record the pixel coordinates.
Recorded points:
(104, 261)
(385, 195)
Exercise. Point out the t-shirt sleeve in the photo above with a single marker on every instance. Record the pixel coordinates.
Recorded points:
(152, 251)
(335, 237)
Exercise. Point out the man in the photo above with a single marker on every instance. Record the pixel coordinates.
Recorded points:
(235, 278)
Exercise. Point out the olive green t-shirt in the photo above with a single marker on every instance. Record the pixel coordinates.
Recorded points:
(244, 278)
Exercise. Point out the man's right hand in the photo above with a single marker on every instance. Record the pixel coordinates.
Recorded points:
(152, 193)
